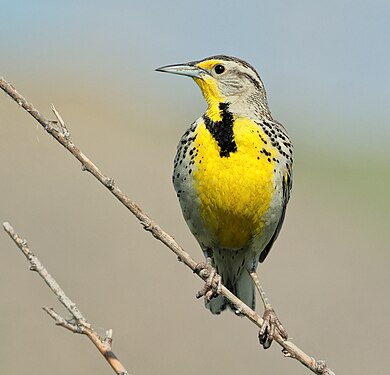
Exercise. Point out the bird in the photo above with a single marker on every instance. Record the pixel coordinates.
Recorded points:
(233, 177)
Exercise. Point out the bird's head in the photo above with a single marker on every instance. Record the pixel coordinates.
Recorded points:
(225, 79)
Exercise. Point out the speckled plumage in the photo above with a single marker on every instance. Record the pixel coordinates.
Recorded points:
(233, 174)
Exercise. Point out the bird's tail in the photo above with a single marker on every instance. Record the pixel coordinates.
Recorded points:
(243, 288)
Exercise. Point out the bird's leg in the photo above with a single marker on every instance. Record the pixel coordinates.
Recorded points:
(212, 286)
(271, 323)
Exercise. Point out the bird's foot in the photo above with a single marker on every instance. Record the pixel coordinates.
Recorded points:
(270, 327)
(212, 286)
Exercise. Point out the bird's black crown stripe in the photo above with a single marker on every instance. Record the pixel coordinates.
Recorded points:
(222, 131)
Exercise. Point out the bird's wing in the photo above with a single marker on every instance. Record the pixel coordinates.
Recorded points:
(287, 185)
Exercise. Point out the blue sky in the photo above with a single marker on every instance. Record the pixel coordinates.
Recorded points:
(325, 64)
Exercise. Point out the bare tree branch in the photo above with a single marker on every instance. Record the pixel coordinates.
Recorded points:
(61, 134)
(78, 324)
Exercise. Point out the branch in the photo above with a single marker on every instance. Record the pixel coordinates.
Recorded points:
(58, 130)
(77, 324)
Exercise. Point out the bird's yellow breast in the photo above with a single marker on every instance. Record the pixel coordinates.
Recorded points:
(235, 191)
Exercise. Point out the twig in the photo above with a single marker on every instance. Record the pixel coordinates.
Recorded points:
(78, 324)
(289, 349)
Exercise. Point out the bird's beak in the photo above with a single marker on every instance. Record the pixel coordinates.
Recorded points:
(189, 70)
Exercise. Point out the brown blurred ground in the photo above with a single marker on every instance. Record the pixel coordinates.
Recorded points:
(327, 275)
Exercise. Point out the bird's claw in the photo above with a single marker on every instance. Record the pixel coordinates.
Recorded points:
(212, 286)
(271, 325)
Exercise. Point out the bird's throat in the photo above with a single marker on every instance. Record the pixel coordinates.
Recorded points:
(218, 119)
(213, 97)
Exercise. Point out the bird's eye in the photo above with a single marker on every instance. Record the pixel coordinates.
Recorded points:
(219, 69)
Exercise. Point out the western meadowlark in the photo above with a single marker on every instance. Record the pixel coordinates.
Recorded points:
(233, 176)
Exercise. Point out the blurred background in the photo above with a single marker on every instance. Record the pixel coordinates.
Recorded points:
(326, 69)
